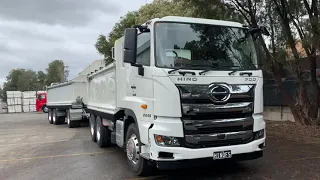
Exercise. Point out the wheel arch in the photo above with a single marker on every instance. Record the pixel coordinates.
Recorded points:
(129, 118)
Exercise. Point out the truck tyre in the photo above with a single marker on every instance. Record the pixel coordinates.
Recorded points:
(57, 119)
(103, 134)
(50, 116)
(45, 109)
(93, 128)
(71, 124)
(54, 116)
(138, 165)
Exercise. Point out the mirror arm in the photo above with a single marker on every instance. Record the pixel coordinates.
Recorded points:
(140, 68)
(136, 65)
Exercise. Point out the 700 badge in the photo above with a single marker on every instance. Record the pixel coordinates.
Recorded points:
(251, 79)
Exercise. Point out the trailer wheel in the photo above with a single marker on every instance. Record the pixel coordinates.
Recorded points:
(71, 124)
(103, 134)
(57, 119)
(50, 116)
(93, 128)
(138, 165)
(54, 117)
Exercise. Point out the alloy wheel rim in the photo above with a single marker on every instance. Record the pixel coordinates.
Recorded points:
(132, 148)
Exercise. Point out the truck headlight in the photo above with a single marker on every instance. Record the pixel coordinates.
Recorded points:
(166, 140)
(259, 134)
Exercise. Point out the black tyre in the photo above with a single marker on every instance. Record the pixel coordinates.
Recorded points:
(138, 165)
(50, 116)
(45, 109)
(71, 124)
(93, 128)
(57, 119)
(54, 117)
(103, 134)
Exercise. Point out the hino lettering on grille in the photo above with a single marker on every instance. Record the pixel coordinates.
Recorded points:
(187, 79)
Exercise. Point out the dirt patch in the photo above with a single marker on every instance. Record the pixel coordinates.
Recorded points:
(293, 131)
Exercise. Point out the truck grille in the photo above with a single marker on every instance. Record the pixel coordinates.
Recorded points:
(225, 119)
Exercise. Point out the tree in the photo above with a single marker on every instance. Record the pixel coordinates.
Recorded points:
(159, 9)
(21, 80)
(57, 72)
(287, 22)
(1, 94)
(104, 44)
(42, 78)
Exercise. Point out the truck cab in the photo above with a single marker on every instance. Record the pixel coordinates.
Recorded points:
(41, 102)
(186, 90)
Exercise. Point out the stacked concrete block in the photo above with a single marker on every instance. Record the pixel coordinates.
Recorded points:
(29, 101)
(14, 101)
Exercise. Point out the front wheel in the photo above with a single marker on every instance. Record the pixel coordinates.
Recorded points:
(138, 165)
(45, 109)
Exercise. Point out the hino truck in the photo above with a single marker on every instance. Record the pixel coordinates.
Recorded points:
(180, 91)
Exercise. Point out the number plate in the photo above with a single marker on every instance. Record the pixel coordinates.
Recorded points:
(222, 155)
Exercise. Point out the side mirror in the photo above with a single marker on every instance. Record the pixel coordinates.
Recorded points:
(130, 45)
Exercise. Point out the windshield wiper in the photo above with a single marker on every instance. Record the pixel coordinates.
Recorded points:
(181, 72)
(173, 70)
(204, 71)
(218, 67)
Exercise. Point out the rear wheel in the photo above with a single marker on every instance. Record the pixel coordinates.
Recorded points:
(138, 165)
(93, 128)
(71, 124)
(54, 116)
(50, 116)
(57, 119)
(103, 134)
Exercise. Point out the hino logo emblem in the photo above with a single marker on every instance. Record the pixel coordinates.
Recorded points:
(219, 93)
(187, 79)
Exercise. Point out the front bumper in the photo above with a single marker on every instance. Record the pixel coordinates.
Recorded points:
(173, 127)
(205, 161)
(181, 153)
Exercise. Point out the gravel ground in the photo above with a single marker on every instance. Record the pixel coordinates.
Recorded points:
(31, 148)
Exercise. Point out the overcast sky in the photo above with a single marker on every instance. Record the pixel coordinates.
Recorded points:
(35, 32)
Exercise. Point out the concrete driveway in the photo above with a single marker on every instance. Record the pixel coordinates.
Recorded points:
(31, 148)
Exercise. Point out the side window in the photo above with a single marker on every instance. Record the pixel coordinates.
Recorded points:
(41, 96)
(143, 49)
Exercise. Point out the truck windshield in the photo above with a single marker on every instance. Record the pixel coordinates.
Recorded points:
(202, 46)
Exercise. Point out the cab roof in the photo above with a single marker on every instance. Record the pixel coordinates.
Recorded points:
(199, 21)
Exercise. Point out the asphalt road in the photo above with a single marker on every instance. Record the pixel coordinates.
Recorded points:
(31, 148)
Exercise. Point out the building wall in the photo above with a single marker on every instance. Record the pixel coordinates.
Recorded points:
(278, 113)
(92, 67)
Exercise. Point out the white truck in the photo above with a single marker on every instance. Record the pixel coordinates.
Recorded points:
(180, 91)
(67, 101)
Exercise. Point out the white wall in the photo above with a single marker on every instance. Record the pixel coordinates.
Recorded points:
(92, 67)
(278, 113)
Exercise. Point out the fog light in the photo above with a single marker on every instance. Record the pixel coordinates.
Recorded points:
(259, 134)
(166, 140)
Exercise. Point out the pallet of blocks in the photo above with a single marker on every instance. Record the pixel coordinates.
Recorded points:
(29, 101)
(14, 101)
